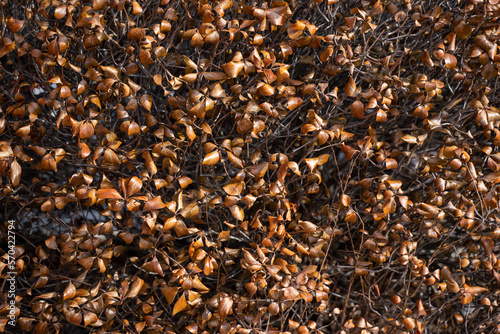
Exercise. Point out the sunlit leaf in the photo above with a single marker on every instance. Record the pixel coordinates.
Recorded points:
(135, 288)
(157, 79)
(108, 194)
(133, 186)
(189, 211)
(237, 212)
(146, 102)
(86, 130)
(180, 305)
(232, 69)
(350, 88)
(99, 4)
(154, 204)
(215, 76)
(450, 61)
(48, 162)
(225, 306)
(136, 8)
(259, 170)
(276, 16)
(211, 159)
(266, 90)
(7, 46)
(170, 293)
(60, 12)
(69, 292)
(15, 173)
(197, 41)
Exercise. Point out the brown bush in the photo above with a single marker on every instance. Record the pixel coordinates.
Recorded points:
(248, 167)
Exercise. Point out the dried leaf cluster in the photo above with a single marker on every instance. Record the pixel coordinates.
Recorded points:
(252, 166)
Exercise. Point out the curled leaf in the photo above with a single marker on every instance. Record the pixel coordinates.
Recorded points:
(225, 306)
(450, 61)
(154, 204)
(15, 173)
(211, 158)
(350, 88)
(135, 288)
(69, 292)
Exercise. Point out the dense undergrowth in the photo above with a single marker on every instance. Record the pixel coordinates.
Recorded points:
(250, 167)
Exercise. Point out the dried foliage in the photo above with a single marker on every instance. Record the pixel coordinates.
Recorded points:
(255, 166)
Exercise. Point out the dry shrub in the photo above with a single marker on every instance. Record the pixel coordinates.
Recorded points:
(255, 166)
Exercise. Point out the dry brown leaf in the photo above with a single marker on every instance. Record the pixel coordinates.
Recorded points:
(146, 101)
(14, 25)
(357, 109)
(108, 194)
(237, 212)
(180, 305)
(69, 292)
(136, 34)
(153, 204)
(211, 158)
(350, 88)
(225, 306)
(450, 61)
(169, 293)
(15, 173)
(277, 16)
(135, 288)
(215, 76)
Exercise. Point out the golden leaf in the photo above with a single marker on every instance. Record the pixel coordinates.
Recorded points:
(180, 305)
